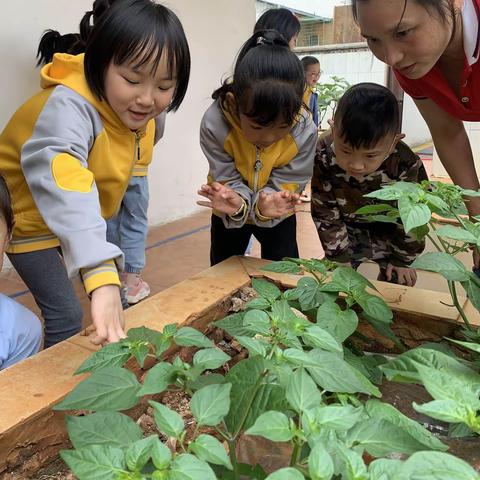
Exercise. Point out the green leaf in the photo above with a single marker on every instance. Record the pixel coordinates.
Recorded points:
(209, 449)
(352, 466)
(380, 438)
(111, 355)
(272, 425)
(446, 410)
(436, 204)
(311, 295)
(266, 289)
(475, 347)
(337, 417)
(375, 208)
(282, 267)
(320, 463)
(140, 352)
(413, 214)
(205, 380)
(254, 346)
(455, 233)
(157, 379)
(315, 336)
(188, 467)
(473, 290)
(189, 337)
(170, 329)
(374, 306)
(103, 428)
(334, 374)
(339, 323)
(233, 325)
(257, 321)
(298, 357)
(302, 393)
(282, 311)
(435, 466)
(162, 344)
(288, 473)
(210, 358)
(168, 422)
(384, 469)
(139, 453)
(378, 409)
(112, 388)
(258, 303)
(143, 334)
(383, 218)
(161, 455)
(385, 193)
(210, 404)
(95, 462)
(442, 263)
(350, 280)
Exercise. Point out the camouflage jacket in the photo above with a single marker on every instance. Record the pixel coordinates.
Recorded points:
(336, 197)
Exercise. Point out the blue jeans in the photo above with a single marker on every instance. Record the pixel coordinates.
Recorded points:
(128, 229)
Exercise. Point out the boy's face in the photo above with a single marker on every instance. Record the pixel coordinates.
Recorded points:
(359, 162)
(312, 74)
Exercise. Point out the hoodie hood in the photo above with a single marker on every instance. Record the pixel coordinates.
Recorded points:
(68, 70)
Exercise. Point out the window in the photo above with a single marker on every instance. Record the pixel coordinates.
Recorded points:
(313, 40)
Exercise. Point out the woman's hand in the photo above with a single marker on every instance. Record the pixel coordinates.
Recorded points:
(107, 315)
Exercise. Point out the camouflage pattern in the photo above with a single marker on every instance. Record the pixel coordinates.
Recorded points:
(336, 196)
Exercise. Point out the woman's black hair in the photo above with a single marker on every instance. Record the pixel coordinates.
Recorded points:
(139, 32)
(268, 80)
(74, 43)
(309, 60)
(445, 9)
(366, 113)
(6, 211)
(280, 19)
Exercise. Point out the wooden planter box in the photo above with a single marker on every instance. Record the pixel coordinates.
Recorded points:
(31, 434)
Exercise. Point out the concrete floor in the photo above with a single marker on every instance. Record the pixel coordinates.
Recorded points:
(180, 249)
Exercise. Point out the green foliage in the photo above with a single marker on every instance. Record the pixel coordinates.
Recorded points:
(329, 93)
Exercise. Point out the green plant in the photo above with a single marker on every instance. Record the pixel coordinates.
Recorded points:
(299, 385)
(329, 94)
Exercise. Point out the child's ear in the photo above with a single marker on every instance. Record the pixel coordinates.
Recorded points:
(398, 137)
(230, 99)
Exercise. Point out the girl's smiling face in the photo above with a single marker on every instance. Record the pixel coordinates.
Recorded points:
(139, 93)
(404, 34)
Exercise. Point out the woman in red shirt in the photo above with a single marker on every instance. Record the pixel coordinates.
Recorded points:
(433, 48)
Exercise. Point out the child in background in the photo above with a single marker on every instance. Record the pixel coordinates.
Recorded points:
(311, 69)
(283, 21)
(129, 227)
(260, 146)
(68, 154)
(20, 329)
(366, 153)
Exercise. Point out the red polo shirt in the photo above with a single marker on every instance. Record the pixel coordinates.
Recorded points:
(433, 85)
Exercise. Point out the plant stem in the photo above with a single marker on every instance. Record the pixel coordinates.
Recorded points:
(434, 242)
(453, 293)
(233, 458)
(295, 453)
(444, 245)
(223, 434)
(319, 280)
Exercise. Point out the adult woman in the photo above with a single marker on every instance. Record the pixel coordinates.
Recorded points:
(433, 48)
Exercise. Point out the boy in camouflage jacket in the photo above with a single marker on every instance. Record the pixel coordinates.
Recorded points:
(364, 153)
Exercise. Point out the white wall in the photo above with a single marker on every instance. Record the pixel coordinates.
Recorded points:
(215, 30)
(357, 64)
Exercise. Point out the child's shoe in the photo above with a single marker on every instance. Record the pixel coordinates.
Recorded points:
(137, 289)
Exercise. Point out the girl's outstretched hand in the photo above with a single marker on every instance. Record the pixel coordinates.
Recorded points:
(278, 204)
(107, 315)
(221, 198)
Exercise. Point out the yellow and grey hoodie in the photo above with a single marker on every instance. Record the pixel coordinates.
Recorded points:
(247, 169)
(67, 159)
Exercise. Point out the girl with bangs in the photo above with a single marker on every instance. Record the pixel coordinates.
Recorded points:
(260, 146)
(68, 154)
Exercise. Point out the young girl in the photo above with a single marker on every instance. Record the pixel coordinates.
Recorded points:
(432, 46)
(128, 229)
(283, 21)
(260, 146)
(68, 155)
(20, 329)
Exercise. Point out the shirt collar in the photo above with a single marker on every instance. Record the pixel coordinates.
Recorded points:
(471, 33)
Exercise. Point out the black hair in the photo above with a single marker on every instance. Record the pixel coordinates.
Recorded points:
(73, 43)
(280, 19)
(309, 60)
(366, 113)
(139, 31)
(268, 80)
(445, 9)
(6, 211)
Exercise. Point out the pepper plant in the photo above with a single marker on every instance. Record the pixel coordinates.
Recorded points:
(299, 385)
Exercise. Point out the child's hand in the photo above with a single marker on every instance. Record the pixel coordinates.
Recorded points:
(221, 198)
(405, 275)
(278, 204)
(107, 315)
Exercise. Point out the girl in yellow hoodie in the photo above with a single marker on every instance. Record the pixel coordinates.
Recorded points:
(260, 144)
(68, 154)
